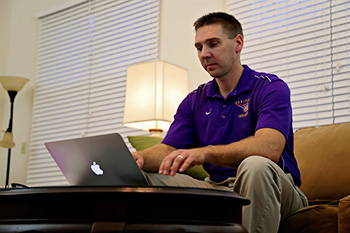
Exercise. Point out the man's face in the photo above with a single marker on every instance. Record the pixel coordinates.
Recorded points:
(216, 52)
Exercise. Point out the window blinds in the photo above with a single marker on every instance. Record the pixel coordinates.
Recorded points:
(83, 53)
(307, 44)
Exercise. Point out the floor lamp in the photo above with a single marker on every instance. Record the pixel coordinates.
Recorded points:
(12, 85)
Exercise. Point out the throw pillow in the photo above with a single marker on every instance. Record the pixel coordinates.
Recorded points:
(143, 142)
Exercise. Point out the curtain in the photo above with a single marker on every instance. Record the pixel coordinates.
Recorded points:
(83, 53)
(307, 44)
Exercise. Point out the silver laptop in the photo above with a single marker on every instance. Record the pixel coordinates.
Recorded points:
(97, 161)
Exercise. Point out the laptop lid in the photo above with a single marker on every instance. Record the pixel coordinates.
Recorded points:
(98, 160)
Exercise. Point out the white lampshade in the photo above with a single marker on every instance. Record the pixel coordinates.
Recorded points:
(7, 141)
(154, 91)
(13, 83)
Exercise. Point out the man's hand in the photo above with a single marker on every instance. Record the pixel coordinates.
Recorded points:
(138, 158)
(181, 160)
(151, 158)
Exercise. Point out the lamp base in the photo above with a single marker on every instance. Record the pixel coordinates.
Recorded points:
(156, 132)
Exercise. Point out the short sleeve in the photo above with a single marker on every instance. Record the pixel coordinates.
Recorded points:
(181, 131)
(274, 108)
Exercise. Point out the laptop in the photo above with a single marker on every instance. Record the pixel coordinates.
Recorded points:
(103, 160)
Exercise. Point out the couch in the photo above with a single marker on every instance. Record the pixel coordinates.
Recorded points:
(323, 155)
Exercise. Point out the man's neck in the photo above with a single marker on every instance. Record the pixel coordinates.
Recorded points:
(228, 84)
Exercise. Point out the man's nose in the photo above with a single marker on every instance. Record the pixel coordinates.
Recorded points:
(205, 53)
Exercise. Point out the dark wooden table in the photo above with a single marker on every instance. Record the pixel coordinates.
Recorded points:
(120, 209)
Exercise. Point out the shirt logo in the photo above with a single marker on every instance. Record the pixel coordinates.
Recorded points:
(244, 105)
(207, 113)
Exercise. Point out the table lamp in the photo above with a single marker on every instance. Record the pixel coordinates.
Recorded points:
(154, 90)
(12, 85)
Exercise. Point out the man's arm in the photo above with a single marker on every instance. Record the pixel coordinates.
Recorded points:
(266, 142)
(151, 158)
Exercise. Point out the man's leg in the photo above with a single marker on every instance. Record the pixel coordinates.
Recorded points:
(272, 193)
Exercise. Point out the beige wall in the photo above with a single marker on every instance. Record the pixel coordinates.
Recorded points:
(177, 34)
(5, 16)
(18, 44)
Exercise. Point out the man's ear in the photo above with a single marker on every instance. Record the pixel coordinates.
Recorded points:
(239, 43)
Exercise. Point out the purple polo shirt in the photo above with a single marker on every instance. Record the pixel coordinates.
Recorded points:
(205, 118)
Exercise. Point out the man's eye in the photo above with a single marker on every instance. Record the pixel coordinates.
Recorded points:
(213, 44)
(199, 49)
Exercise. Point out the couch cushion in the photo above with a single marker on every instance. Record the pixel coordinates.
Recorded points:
(312, 219)
(344, 215)
(323, 156)
(325, 218)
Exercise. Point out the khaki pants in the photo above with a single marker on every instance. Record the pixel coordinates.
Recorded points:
(272, 193)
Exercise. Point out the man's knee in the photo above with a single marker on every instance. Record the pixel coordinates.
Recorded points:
(256, 164)
(258, 170)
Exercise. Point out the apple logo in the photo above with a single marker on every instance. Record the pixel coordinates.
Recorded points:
(96, 169)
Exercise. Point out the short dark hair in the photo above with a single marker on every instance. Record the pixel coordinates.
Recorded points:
(230, 24)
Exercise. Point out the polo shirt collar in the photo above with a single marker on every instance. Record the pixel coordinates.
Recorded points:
(245, 83)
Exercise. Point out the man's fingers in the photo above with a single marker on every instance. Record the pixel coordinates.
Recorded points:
(139, 163)
(177, 162)
(138, 159)
(188, 163)
(171, 163)
(164, 167)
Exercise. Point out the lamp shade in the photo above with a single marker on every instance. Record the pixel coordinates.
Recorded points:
(13, 83)
(7, 141)
(154, 90)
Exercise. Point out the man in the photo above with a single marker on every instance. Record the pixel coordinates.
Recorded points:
(238, 126)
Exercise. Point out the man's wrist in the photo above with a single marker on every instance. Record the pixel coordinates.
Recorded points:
(208, 152)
